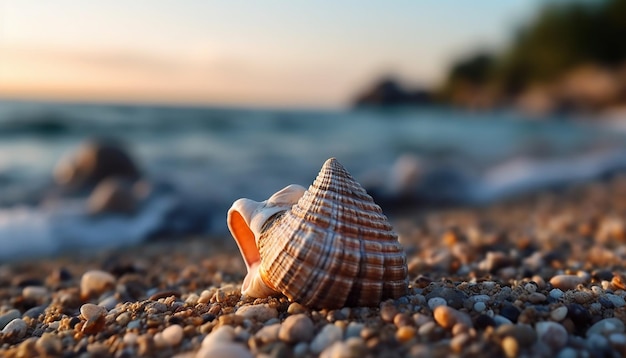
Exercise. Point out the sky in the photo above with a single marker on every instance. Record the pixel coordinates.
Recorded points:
(239, 53)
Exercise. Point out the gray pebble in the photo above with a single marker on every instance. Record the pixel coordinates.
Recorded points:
(500, 320)
(556, 293)
(551, 333)
(134, 324)
(260, 313)
(436, 301)
(108, 303)
(354, 329)
(480, 306)
(299, 328)
(606, 326)
(268, 333)
(300, 349)
(567, 352)
(35, 312)
(616, 300)
(17, 328)
(36, 293)
(480, 298)
(8, 317)
(558, 314)
(327, 336)
(231, 350)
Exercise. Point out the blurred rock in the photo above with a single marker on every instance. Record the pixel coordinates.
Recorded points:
(388, 92)
(112, 195)
(93, 162)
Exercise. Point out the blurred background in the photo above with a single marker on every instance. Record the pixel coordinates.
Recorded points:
(122, 121)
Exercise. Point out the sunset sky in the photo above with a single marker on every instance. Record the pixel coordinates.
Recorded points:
(230, 52)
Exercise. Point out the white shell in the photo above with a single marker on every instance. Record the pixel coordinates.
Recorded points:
(328, 246)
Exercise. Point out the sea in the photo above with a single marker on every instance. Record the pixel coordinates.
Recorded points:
(214, 155)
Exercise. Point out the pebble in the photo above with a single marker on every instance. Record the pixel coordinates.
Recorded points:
(500, 320)
(447, 317)
(405, 333)
(35, 312)
(299, 328)
(230, 350)
(134, 324)
(510, 346)
(8, 317)
(354, 329)
(618, 339)
(96, 282)
(551, 333)
(606, 326)
(436, 302)
(558, 314)
(388, 312)
(35, 293)
(109, 303)
(566, 282)
(17, 328)
(268, 333)
(556, 293)
(524, 334)
(49, 345)
(480, 306)
(295, 308)
(452, 296)
(171, 336)
(536, 297)
(510, 312)
(260, 313)
(617, 301)
(327, 336)
(91, 311)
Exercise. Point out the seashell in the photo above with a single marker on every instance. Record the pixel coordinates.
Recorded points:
(326, 247)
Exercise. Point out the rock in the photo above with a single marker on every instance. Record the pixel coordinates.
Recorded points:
(435, 302)
(92, 312)
(171, 336)
(221, 334)
(112, 195)
(447, 317)
(16, 328)
(295, 308)
(566, 282)
(510, 312)
(230, 350)
(556, 293)
(96, 282)
(35, 293)
(510, 346)
(299, 328)
(388, 312)
(616, 300)
(558, 314)
(49, 345)
(405, 333)
(551, 333)
(8, 317)
(260, 313)
(524, 334)
(268, 333)
(606, 326)
(350, 348)
(453, 297)
(35, 312)
(327, 336)
(93, 162)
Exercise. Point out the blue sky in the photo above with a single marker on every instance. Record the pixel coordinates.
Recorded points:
(275, 53)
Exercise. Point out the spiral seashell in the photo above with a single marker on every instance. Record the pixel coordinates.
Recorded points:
(326, 247)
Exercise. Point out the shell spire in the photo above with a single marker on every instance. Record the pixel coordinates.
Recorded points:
(332, 247)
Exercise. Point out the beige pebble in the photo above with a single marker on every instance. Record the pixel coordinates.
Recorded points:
(130, 338)
(123, 319)
(96, 282)
(458, 342)
(172, 335)
(92, 312)
(447, 317)
(295, 308)
(36, 293)
(297, 328)
(268, 333)
(566, 282)
(260, 313)
(219, 335)
(558, 314)
(230, 350)
(49, 345)
(387, 313)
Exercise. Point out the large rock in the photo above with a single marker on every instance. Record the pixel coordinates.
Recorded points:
(93, 162)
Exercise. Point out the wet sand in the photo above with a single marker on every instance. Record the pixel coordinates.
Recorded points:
(543, 275)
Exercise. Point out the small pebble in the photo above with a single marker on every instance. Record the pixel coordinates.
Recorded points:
(536, 297)
(556, 293)
(510, 346)
(230, 350)
(268, 333)
(172, 335)
(260, 313)
(8, 317)
(295, 308)
(16, 328)
(617, 301)
(388, 312)
(49, 345)
(405, 333)
(435, 302)
(524, 334)
(96, 282)
(551, 333)
(298, 328)
(354, 329)
(480, 306)
(91, 311)
(558, 314)
(566, 282)
(447, 317)
(327, 336)
(606, 326)
(35, 293)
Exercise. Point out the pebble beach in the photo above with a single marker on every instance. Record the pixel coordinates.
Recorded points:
(542, 275)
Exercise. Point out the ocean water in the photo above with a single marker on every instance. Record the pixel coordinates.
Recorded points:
(216, 155)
